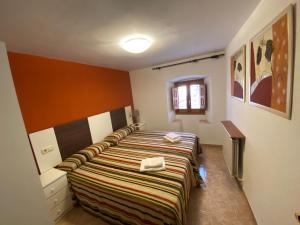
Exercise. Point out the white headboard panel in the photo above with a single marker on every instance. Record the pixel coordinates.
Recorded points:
(100, 126)
(128, 112)
(45, 149)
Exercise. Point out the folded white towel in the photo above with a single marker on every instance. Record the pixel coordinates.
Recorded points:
(172, 135)
(175, 140)
(153, 164)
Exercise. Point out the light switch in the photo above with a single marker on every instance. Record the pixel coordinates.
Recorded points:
(47, 149)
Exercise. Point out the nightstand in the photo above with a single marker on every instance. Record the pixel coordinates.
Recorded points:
(57, 193)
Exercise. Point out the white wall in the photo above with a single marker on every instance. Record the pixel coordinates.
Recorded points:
(150, 91)
(272, 151)
(22, 198)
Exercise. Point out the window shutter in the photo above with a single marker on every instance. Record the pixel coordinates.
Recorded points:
(174, 93)
(202, 96)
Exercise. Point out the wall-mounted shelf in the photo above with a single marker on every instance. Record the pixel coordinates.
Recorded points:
(232, 130)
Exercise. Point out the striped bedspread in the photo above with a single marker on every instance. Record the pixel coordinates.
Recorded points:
(111, 186)
(153, 141)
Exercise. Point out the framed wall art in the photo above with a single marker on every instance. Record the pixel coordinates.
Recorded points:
(238, 74)
(271, 65)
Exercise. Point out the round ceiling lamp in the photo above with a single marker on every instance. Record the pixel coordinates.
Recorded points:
(136, 43)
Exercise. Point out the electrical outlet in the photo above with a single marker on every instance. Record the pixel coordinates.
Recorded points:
(297, 215)
(47, 149)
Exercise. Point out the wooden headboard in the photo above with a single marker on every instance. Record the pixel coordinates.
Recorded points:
(66, 139)
(72, 137)
(118, 118)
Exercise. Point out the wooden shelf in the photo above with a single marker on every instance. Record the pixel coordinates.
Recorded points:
(232, 130)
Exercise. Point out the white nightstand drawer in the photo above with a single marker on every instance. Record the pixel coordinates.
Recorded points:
(54, 187)
(58, 197)
(61, 208)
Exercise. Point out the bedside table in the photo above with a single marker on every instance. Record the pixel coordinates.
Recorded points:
(57, 193)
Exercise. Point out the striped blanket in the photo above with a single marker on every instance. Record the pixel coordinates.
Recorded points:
(153, 141)
(111, 186)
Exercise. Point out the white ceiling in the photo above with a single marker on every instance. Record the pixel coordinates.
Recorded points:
(88, 31)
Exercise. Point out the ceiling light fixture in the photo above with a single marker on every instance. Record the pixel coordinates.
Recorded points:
(136, 43)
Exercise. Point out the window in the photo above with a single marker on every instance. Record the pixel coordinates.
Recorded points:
(189, 97)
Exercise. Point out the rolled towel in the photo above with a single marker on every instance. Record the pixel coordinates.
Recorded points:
(153, 164)
(172, 135)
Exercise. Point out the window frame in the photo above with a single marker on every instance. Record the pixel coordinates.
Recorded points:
(190, 111)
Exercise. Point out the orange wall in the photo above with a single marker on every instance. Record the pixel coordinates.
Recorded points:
(53, 92)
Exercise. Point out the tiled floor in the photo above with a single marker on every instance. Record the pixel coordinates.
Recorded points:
(219, 202)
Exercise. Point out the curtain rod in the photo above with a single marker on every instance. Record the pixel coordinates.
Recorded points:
(189, 61)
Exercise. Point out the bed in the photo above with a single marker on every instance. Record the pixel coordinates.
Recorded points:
(153, 141)
(107, 182)
(106, 179)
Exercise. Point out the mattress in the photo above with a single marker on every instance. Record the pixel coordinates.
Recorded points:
(110, 185)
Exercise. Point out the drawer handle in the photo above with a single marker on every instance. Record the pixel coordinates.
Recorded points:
(52, 190)
(55, 201)
(58, 211)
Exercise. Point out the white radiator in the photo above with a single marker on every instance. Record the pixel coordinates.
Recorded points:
(233, 147)
(233, 155)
